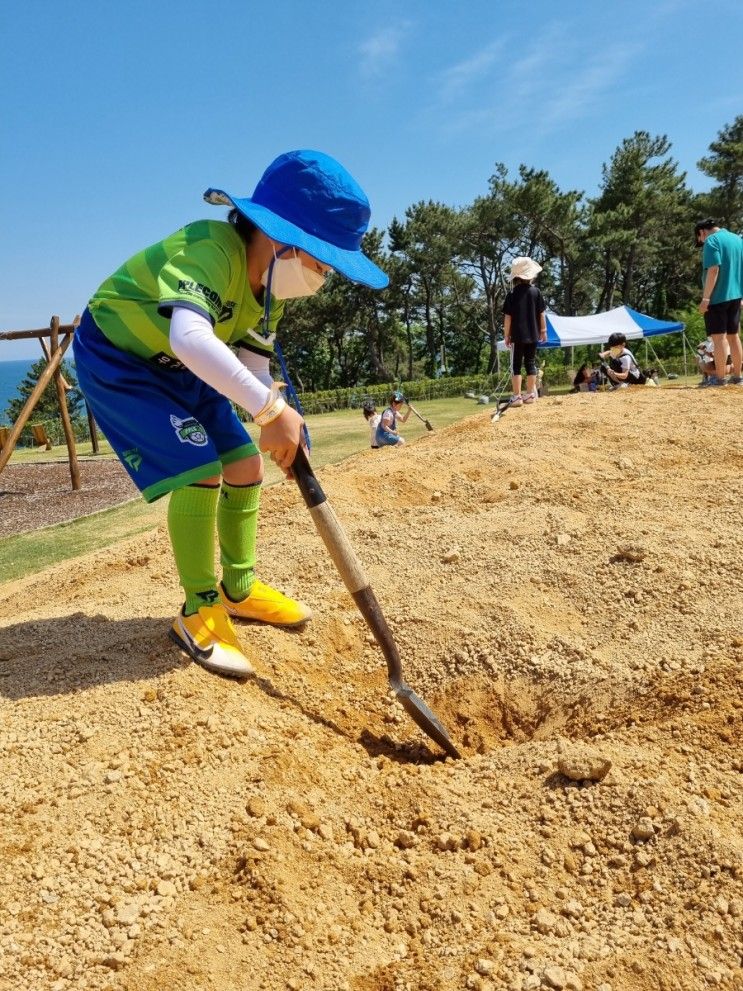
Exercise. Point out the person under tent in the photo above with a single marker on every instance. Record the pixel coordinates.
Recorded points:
(622, 369)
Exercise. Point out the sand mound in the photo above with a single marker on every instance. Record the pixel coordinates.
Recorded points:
(566, 591)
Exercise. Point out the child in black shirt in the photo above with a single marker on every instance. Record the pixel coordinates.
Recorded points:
(524, 326)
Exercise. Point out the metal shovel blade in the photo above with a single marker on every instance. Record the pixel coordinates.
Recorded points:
(500, 410)
(421, 418)
(413, 704)
(419, 712)
(356, 582)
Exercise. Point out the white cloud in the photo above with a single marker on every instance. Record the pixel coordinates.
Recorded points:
(458, 78)
(553, 81)
(496, 81)
(381, 50)
(583, 90)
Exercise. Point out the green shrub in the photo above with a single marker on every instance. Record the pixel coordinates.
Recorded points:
(417, 390)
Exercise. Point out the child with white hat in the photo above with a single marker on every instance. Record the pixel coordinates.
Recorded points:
(524, 326)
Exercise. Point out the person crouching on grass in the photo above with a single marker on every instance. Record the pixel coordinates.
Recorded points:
(154, 358)
(387, 432)
(524, 326)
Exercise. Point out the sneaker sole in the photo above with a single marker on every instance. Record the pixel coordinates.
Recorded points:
(205, 658)
(266, 622)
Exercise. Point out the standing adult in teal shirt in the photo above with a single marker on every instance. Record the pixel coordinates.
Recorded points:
(722, 280)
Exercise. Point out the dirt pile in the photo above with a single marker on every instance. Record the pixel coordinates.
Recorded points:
(566, 590)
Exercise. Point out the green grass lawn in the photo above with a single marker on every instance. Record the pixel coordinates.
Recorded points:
(32, 455)
(31, 552)
(335, 436)
(338, 435)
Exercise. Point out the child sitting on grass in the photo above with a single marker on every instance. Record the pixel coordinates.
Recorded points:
(369, 410)
(622, 369)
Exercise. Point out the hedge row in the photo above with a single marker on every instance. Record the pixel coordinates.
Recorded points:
(423, 389)
(419, 389)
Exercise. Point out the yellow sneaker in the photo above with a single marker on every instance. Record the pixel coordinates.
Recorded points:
(267, 605)
(209, 639)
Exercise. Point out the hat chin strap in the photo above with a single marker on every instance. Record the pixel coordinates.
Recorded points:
(265, 332)
(267, 295)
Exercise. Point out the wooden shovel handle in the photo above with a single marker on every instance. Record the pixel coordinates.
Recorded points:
(348, 565)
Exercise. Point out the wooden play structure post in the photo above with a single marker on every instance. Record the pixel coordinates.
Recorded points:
(92, 430)
(52, 370)
(64, 412)
(91, 422)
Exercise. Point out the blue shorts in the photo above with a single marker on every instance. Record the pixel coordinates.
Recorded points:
(385, 438)
(168, 428)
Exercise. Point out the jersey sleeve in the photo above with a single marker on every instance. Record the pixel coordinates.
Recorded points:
(508, 304)
(197, 278)
(541, 305)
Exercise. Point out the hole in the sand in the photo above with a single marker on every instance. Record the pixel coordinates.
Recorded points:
(482, 715)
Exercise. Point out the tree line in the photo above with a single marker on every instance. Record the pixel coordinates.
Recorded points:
(633, 244)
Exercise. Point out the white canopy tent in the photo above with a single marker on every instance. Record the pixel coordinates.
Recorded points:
(565, 332)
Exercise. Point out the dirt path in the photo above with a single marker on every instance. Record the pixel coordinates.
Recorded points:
(566, 589)
(38, 495)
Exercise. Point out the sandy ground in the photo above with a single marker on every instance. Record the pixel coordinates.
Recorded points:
(566, 590)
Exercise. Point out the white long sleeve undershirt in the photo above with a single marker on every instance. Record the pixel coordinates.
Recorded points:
(245, 380)
(258, 364)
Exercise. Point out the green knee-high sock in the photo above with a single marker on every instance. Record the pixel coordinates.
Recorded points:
(237, 523)
(191, 515)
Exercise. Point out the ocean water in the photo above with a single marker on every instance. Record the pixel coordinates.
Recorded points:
(12, 373)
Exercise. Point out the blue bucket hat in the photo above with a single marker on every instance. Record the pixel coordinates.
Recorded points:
(306, 199)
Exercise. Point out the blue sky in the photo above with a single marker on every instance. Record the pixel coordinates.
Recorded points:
(116, 117)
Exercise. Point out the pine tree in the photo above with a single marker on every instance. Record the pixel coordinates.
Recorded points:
(47, 408)
(724, 202)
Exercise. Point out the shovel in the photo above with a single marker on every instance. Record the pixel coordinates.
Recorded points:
(500, 410)
(356, 582)
(421, 418)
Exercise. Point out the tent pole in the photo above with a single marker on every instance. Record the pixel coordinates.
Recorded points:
(654, 356)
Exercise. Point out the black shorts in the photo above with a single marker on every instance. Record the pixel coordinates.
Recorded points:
(723, 318)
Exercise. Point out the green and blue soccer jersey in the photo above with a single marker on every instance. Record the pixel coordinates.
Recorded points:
(201, 267)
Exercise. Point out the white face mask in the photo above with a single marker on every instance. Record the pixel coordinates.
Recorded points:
(290, 279)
